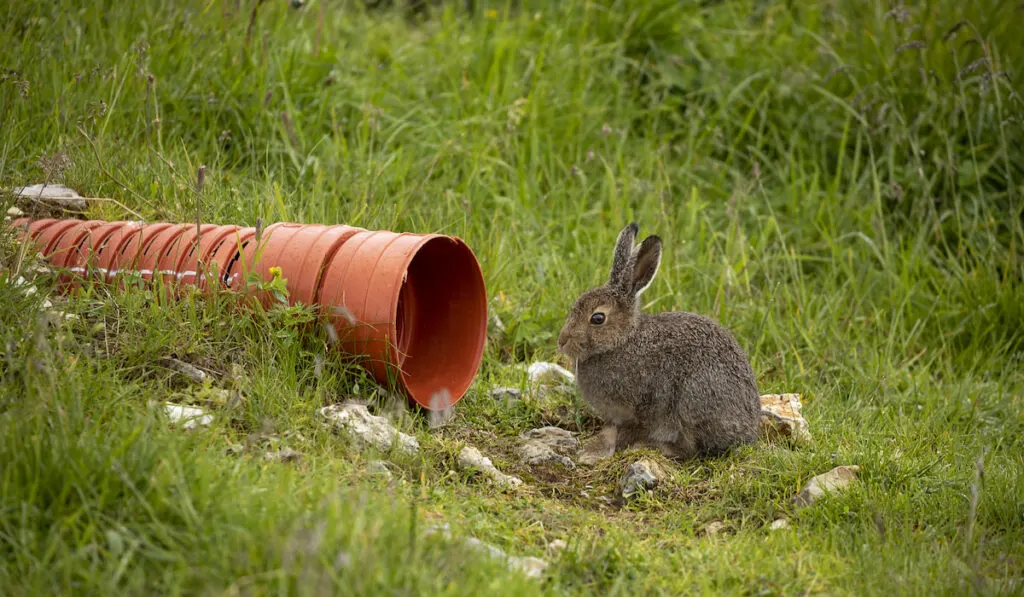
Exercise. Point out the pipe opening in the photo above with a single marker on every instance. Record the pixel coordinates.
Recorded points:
(441, 320)
(404, 321)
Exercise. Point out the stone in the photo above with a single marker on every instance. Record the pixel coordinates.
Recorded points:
(642, 475)
(14, 212)
(368, 429)
(495, 330)
(547, 445)
(190, 371)
(507, 394)
(713, 528)
(549, 374)
(556, 437)
(55, 317)
(780, 417)
(779, 524)
(283, 455)
(189, 417)
(556, 546)
(379, 468)
(497, 322)
(27, 288)
(528, 566)
(53, 194)
(342, 560)
(533, 453)
(836, 480)
(471, 458)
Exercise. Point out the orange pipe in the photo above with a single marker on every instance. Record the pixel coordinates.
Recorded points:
(413, 306)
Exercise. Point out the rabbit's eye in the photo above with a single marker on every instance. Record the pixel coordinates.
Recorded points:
(597, 318)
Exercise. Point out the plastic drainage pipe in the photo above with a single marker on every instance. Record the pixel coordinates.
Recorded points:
(413, 306)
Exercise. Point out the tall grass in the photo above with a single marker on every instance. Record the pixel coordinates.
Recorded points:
(840, 183)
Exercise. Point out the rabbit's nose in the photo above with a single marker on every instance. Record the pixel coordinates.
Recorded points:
(563, 337)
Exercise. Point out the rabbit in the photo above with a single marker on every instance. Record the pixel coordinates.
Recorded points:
(675, 381)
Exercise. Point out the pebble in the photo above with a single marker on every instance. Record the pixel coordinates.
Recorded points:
(283, 455)
(472, 458)
(507, 394)
(368, 429)
(189, 416)
(547, 445)
(642, 475)
(780, 416)
(834, 481)
(549, 374)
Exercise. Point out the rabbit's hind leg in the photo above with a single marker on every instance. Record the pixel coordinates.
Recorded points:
(674, 443)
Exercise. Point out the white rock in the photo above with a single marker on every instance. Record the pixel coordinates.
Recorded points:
(56, 316)
(188, 416)
(28, 289)
(471, 458)
(509, 394)
(556, 437)
(379, 468)
(368, 429)
(40, 267)
(56, 194)
(498, 324)
(544, 373)
(779, 524)
(643, 474)
(190, 371)
(284, 455)
(14, 212)
(780, 416)
(529, 566)
(534, 453)
(835, 480)
(556, 546)
(713, 528)
(342, 560)
(547, 444)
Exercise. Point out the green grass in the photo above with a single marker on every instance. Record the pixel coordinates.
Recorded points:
(848, 202)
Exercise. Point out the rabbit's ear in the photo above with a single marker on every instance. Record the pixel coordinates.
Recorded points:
(645, 264)
(622, 259)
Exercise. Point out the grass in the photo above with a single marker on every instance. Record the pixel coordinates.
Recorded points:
(839, 183)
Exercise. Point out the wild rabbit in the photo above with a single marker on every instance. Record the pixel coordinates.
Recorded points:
(675, 381)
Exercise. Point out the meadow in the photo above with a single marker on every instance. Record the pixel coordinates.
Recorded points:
(839, 183)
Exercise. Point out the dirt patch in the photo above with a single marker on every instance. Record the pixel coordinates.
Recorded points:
(590, 488)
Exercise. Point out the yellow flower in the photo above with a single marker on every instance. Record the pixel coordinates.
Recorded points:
(490, 13)
(275, 271)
